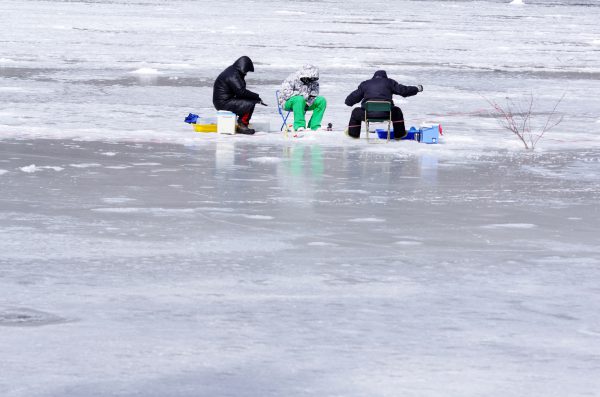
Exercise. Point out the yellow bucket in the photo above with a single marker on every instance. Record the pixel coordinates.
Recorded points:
(205, 127)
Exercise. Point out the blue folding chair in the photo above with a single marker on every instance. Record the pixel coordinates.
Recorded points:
(279, 108)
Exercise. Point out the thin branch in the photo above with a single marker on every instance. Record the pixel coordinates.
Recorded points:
(520, 122)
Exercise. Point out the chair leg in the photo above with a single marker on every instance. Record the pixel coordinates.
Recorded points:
(284, 124)
(389, 130)
(366, 125)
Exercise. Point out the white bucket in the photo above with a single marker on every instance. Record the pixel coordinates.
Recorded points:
(226, 122)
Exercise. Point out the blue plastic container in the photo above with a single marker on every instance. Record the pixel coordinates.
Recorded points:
(429, 134)
(410, 134)
(382, 134)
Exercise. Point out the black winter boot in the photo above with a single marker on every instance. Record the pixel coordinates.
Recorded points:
(244, 129)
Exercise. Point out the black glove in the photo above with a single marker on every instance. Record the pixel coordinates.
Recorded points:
(420, 88)
(260, 102)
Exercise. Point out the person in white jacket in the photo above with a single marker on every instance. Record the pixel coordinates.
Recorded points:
(300, 93)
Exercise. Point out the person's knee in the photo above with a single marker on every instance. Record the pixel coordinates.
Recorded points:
(320, 102)
(358, 113)
(295, 102)
(299, 101)
(397, 114)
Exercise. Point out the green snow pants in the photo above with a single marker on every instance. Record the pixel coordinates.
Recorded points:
(297, 103)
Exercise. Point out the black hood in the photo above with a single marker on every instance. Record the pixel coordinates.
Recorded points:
(244, 65)
(380, 74)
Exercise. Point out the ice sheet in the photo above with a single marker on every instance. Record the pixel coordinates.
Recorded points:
(327, 272)
(138, 258)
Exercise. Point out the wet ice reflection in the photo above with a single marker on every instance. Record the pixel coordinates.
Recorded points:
(231, 259)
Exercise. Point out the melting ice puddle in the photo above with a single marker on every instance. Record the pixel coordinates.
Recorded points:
(23, 317)
(374, 220)
(510, 226)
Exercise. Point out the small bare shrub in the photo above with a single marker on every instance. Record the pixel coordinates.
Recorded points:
(517, 117)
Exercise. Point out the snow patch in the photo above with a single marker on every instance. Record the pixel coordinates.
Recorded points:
(117, 200)
(109, 154)
(265, 160)
(2, 172)
(357, 191)
(146, 163)
(286, 12)
(367, 220)
(11, 89)
(85, 165)
(30, 169)
(406, 242)
(144, 210)
(510, 226)
(145, 71)
(321, 244)
(261, 217)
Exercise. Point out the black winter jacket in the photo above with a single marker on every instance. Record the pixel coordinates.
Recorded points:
(231, 84)
(379, 88)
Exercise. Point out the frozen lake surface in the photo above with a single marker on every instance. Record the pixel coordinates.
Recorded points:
(138, 258)
(235, 268)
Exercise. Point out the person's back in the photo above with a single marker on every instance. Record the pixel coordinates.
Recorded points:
(379, 88)
(221, 88)
(230, 84)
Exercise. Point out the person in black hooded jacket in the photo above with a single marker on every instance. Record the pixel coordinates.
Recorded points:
(230, 93)
(379, 88)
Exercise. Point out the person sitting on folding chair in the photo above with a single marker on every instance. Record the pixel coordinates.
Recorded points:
(379, 88)
(300, 93)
